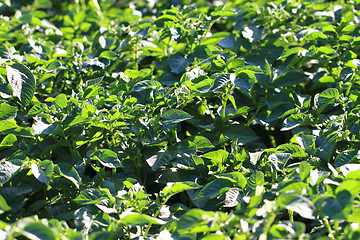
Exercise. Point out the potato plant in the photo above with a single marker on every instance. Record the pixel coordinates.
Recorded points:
(175, 119)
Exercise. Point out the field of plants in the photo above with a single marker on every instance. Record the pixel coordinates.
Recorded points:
(179, 119)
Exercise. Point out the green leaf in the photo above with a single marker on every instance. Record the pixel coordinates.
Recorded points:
(174, 116)
(54, 65)
(4, 207)
(91, 196)
(236, 177)
(7, 125)
(22, 81)
(37, 108)
(8, 169)
(202, 52)
(214, 188)
(174, 188)
(107, 158)
(7, 112)
(43, 171)
(160, 158)
(202, 143)
(4, 52)
(339, 207)
(217, 157)
(133, 219)
(193, 221)
(289, 79)
(326, 97)
(94, 81)
(299, 204)
(61, 100)
(74, 120)
(351, 185)
(292, 121)
(304, 171)
(38, 231)
(179, 62)
(8, 141)
(256, 182)
(240, 133)
(316, 35)
(69, 172)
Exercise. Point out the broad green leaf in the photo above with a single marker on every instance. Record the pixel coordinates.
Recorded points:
(94, 81)
(214, 188)
(344, 158)
(202, 52)
(193, 221)
(162, 157)
(4, 207)
(22, 81)
(240, 133)
(4, 52)
(202, 143)
(37, 108)
(133, 219)
(214, 236)
(325, 50)
(295, 150)
(54, 65)
(292, 121)
(256, 182)
(7, 112)
(179, 62)
(107, 158)
(299, 204)
(326, 97)
(92, 196)
(7, 125)
(304, 171)
(289, 79)
(353, 175)
(61, 100)
(74, 120)
(279, 160)
(354, 216)
(316, 35)
(351, 185)
(292, 186)
(174, 116)
(236, 177)
(8, 141)
(43, 171)
(69, 172)
(217, 157)
(339, 207)
(8, 169)
(287, 230)
(38, 231)
(174, 188)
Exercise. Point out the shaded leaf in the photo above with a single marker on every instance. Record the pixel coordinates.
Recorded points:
(107, 158)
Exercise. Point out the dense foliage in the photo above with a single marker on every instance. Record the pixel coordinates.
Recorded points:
(179, 119)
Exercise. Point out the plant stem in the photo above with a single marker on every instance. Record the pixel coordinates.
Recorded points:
(327, 224)
(270, 221)
(255, 114)
(291, 216)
